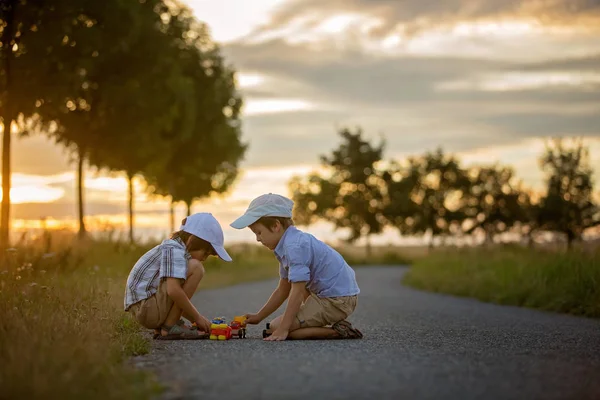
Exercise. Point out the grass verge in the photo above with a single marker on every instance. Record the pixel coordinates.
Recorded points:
(61, 335)
(547, 280)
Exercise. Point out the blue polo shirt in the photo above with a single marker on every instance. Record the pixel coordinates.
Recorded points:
(302, 257)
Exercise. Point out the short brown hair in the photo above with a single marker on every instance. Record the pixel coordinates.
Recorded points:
(195, 243)
(269, 222)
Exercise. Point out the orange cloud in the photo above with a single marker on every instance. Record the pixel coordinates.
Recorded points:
(410, 17)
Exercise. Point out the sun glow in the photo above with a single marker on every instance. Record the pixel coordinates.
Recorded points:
(34, 194)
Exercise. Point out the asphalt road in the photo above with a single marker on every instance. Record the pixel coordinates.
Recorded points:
(417, 345)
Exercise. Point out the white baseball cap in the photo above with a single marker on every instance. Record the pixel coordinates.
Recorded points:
(206, 227)
(267, 205)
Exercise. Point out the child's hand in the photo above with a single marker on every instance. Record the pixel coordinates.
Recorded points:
(253, 319)
(203, 324)
(277, 335)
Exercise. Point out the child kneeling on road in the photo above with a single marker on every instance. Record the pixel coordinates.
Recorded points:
(319, 285)
(164, 279)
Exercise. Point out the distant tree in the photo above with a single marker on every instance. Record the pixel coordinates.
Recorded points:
(314, 196)
(495, 202)
(351, 194)
(439, 194)
(400, 207)
(568, 206)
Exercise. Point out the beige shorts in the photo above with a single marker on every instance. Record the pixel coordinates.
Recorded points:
(152, 312)
(323, 311)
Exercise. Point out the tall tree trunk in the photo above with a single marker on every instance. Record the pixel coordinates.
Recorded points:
(5, 219)
(8, 9)
(130, 206)
(368, 246)
(189, 208)
(80, 211)
(172, 215)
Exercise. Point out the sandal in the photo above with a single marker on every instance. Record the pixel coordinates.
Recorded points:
(156, 332)
(179, 332)
(346, 330)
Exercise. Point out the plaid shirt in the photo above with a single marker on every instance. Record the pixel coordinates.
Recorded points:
(166, 260)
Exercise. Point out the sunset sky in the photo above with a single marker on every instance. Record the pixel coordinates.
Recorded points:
(485, 79)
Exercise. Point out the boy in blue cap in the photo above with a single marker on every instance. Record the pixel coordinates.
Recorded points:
(319, 285)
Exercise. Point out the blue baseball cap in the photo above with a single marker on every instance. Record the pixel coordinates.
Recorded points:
(267, 205)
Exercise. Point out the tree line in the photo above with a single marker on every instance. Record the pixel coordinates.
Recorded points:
(128, 86)
(433, 194)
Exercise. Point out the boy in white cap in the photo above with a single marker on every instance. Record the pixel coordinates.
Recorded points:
(162, 282)
(319, 285)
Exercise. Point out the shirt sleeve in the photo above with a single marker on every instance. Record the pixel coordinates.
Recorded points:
(173, 263)
(299, 262)
(283, 274)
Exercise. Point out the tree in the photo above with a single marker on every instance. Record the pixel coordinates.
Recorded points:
(351, 195)
(439, 193)
(568, 205)
(494, 203)
(400, 207)
(144, 103)
(33, 35)
(313, 197)
(203, 150)
(130, 91)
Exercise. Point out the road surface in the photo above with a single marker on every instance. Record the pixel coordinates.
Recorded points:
(417, 345)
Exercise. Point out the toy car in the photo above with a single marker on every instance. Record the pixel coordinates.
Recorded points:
(266, 332)
(238, 326)
(220, 330)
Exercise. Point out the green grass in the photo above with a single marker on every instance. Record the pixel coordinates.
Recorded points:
(548, 280)
(61, 332)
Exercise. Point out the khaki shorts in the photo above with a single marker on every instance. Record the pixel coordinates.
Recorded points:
(152, 312)
(323, 311)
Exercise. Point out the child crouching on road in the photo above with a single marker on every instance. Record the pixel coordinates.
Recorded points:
(162, 282)
(319, 285)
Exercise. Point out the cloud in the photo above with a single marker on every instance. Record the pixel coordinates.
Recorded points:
(547, 124)
(409, 17)
(354, 77)
(39, 155)
(415, 102)
(586, 62)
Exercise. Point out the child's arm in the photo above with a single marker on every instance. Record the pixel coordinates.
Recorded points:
(275, 301)
(181, 300)
(293, 306)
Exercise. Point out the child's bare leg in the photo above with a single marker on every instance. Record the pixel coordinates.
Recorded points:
(194, 276)
(314, 333)
(296, 332)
